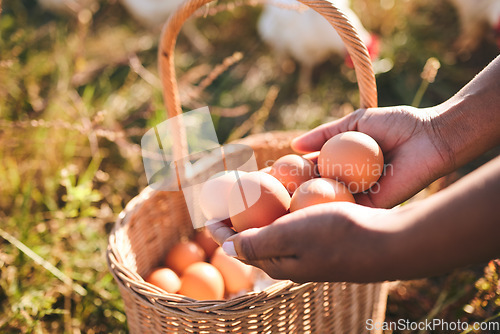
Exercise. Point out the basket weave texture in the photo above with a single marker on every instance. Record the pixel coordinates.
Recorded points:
(155, 221)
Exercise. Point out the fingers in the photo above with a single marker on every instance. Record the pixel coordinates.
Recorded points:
(253, 244)
(314, 139)
(219, 231)
(283, 268)
(281, 249)
(272, 241)
(270, 248)
(265, 248)
(262, 248)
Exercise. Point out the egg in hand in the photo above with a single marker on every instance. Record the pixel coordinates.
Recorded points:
(257, 200)
(353, 158)
(292, 170)
(214, 194)
(318, 191)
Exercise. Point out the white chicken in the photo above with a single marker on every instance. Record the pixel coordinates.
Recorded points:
(69, 7)
(154, 13)
(476, 17)
(293, 29)
(151, 13)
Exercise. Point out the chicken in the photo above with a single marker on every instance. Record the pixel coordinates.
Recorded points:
(68, 7)
(151, 13)
(154, 13)
(476, 17)
(292, 29)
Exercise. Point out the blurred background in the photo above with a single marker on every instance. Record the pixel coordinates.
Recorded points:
(79, 86)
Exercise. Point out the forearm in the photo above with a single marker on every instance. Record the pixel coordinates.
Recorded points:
(469, 122)
(455, 227)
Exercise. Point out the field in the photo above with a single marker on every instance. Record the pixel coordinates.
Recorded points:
(78, 92)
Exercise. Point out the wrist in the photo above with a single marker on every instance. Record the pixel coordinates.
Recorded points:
(410, 246)
(389, 239)
(468, 124)
(449, 128)
(466, 129)
(431, 233)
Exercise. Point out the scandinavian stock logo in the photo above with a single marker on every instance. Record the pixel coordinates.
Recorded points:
(185, 166)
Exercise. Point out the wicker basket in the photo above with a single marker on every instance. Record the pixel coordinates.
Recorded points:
(155, 220)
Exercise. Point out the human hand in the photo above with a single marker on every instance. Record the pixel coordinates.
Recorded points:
(415, 153)
(327, 242)
(348, 242)
(343, 241)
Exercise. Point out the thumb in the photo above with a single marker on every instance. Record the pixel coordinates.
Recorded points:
(314, 139)
(259, 244)
(264, 249)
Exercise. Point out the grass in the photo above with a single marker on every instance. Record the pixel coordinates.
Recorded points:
(76, 96)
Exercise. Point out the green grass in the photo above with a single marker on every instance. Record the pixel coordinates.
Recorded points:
(73, 109)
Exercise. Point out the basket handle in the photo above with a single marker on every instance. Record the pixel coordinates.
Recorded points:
(355, 47)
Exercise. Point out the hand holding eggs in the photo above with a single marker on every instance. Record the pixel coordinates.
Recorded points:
(348, 163)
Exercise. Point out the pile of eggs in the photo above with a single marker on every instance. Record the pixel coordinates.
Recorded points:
(200, 269)
(348, 163)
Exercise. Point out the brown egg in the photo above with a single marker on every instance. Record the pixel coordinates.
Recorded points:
(237, 275)
(352, 158)
(292, 170)
(206, 242)
(165, 279)
(202, 281)
(257, 200)
(319, 191)
(214, 194)
(183, 255)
